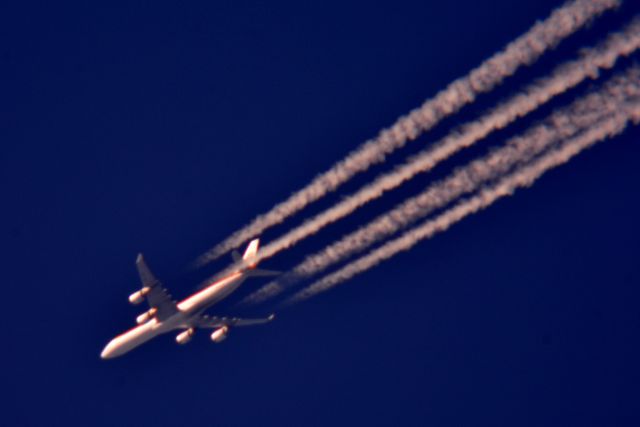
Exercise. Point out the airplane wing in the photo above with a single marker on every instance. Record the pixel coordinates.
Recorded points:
(157, 297)
(217, 322)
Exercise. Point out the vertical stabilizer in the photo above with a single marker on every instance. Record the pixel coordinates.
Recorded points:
(250, 252)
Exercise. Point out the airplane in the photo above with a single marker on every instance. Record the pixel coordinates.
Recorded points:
(165, 314)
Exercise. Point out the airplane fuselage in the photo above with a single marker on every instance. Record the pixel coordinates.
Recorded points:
(188, 309)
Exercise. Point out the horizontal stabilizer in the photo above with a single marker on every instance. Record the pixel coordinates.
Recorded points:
(258, 272)
(236, 256)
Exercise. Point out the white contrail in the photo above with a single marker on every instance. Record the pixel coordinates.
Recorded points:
(524, 177)
(564, 77)
(564, 123)
(524, 50)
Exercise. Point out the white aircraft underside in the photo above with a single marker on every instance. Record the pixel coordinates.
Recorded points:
(166, 315)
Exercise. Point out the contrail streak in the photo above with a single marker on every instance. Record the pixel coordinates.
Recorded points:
(523, 51)
(505, 187)
(564, 77)
(562, 124)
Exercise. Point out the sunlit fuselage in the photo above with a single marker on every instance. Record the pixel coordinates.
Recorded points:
(188, 309)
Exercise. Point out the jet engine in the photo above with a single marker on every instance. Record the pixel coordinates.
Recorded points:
(220, 334)
(185, 337)
(145, 317)
(137, 297)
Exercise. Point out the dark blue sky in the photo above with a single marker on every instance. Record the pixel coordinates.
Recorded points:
(162, 128)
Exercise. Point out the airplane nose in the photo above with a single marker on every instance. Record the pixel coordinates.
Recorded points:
(107, 352)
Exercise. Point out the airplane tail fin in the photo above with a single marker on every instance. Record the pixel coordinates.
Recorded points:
(251, 252)
(249, 257)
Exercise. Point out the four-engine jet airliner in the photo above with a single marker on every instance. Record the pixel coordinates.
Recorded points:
(166, 315)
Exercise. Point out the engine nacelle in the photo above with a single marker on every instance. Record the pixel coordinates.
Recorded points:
(145, 317)
(185, 337)
(220, 334)
(137, 297)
